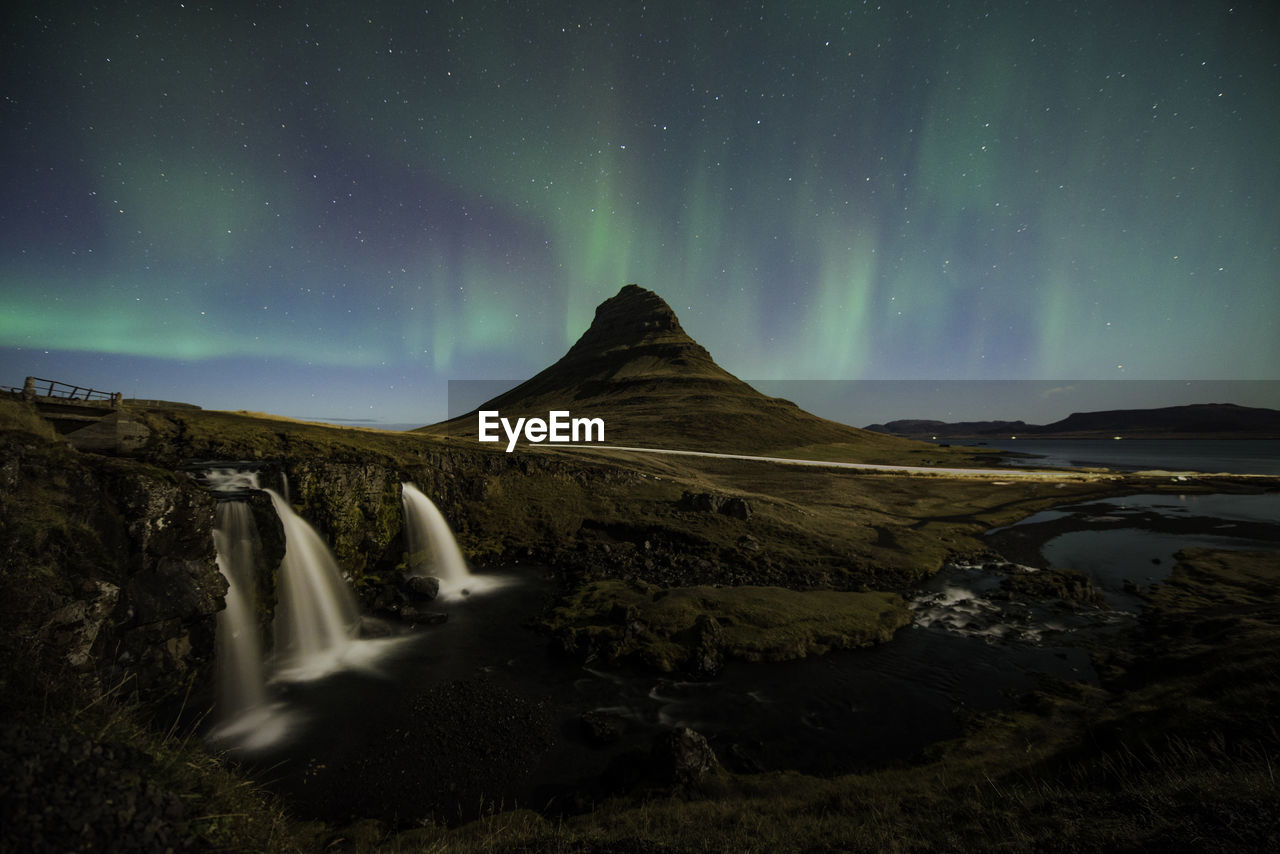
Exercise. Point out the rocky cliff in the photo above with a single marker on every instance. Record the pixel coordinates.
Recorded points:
(108, 568)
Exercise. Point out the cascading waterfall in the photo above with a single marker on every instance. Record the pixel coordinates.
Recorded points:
(316, 619)
(432, 548)
(316, 616)
(241, 682)
(247, 718)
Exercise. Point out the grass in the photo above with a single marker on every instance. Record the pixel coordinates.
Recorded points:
(95, 774)
(1175, 753)
(663, 627)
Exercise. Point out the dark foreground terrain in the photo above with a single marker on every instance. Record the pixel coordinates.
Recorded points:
(110, 593)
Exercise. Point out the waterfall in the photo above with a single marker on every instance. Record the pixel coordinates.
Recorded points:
(432, 548)
(316, 616)
(316, 619)
(241, 684)
(247, 717)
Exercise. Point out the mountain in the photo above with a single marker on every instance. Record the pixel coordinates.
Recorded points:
(921, 427)
(1210, 420)
(655, 386)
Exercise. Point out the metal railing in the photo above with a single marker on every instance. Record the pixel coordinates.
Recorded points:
(37, 387)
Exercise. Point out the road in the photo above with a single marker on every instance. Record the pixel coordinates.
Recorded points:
(916, 470)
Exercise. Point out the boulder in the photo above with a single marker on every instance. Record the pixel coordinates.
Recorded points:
(1068, 585)
(74, 627)
(706, 658)
(706, 502)
(602, 728)
(682, 757)
(422, 586)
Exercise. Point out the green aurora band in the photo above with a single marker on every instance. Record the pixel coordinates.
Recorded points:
(821, 190)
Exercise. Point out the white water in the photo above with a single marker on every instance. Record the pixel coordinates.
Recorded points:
(316, 617)
(432, 548)
(247, 719)
(226, 479)
(315, 626)
(241, 683)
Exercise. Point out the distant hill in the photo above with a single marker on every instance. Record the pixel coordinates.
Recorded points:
(924, 428)
(655, 386)
(1200, 420)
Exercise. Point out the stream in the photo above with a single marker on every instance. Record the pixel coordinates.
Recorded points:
(476, 709)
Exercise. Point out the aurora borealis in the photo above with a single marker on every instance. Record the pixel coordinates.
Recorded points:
(329, 210)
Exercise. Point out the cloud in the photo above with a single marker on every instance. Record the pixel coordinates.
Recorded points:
(1056, 390)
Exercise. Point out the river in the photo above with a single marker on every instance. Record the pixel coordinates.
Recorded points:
(968, 650)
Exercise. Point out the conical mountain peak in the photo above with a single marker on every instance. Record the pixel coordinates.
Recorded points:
(655, 386)
(637, 321)
(633, 316)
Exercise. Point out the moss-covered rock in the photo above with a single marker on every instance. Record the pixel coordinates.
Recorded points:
(1067, 585)
(691, 628)
(108, 568)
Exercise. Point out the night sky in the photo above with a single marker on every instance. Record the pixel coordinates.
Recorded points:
(329, 210)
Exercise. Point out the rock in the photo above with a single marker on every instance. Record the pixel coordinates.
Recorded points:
(389, 599)
(682, 757)
(422, 586)
(706, 502)
(701, 501)
(623, 614)
(706, 659)
(75, 627)
(116, 433)
(422, 616)
(372, 627)
(602, 728)
(355, 506)
(1069, 585)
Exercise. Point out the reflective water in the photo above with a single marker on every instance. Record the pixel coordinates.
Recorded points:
(1134, 539)
(1237, 456)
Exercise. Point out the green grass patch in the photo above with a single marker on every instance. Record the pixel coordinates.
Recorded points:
(666, 628)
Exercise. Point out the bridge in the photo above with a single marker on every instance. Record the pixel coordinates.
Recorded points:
(42, 391)
(91, 419)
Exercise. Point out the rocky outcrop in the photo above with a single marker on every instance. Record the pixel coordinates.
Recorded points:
(734, 506)
(109, 569)
(355, 506)
(693, 630)
(1066, 585)
(682, 757)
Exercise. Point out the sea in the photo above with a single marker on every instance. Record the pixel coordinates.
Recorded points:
(1232, 456)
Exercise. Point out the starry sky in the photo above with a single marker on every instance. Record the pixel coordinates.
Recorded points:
(329, 211)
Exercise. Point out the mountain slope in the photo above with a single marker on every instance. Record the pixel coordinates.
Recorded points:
(655, 386)
(1196, 419)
